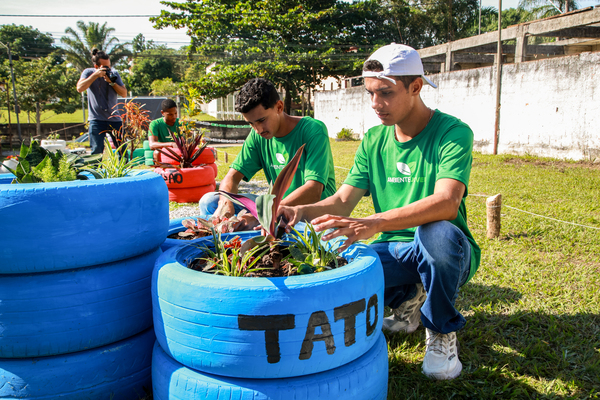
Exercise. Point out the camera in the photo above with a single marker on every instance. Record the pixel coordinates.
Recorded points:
(110, 75)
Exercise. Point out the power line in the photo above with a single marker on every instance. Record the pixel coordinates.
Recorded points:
(77, 16)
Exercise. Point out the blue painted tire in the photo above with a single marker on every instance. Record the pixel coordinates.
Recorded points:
(6, 179)
(67, 311)
(363, 379)
(119, 371)
(218, 324)
(67, 225)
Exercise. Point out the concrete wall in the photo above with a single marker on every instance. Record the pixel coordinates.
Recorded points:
(548, 107)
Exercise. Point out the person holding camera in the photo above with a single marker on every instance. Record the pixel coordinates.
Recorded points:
(103, 84)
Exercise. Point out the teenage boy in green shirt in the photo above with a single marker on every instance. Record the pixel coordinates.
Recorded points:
(416, 167)
(274, 139)
(158, 135)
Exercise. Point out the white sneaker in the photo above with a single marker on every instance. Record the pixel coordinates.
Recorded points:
(441, 356)
(406, 318)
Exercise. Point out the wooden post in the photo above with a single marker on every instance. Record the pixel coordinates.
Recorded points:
(216, 155)
(226, 157)
(493, 209)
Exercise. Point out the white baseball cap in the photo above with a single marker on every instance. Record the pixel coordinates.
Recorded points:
(397, 60)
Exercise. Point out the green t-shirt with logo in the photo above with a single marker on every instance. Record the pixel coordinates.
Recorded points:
(272, 155)
(160, 129)
(398, 174)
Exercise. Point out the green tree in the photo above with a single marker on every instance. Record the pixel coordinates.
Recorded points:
(79, 45)
(165, 87)
(154, 64)
(140, 44)
(433, 22)
(294, 43)
(45, 84)
(510, 16)
(25, 41)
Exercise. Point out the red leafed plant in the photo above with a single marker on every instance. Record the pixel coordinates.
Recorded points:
(134, 127)
(190, 144)
(266, 206)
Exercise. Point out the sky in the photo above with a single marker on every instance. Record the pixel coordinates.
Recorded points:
(125, 28)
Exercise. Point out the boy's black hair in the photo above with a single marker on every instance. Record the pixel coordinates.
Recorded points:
(376, 66)
(98, 55)
(167, 104)
(256, 91)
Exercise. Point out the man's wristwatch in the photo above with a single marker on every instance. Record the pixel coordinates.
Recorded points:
(112, 84)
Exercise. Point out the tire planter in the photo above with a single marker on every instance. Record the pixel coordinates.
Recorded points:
(73, 310)
(139, 153)
(181, 178)
(215, 168)
(365, 378)
(190, 195)
(67, 225)
(206, 157)
(120, 371)
(146, 145)
(6, 179)
(267, 328)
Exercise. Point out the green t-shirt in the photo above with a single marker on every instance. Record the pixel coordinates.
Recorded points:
(398, 174)
(160, 129)
(271, 155)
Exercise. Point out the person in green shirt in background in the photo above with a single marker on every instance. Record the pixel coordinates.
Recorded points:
(274, 139)
(416, 166)
(158, 133)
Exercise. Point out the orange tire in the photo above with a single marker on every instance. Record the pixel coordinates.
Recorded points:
(206, 157)
(190, 195)
(181, 178)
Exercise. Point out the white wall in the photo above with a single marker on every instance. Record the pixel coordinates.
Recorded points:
(548, 108)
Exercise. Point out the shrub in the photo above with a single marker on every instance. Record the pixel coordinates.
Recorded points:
(346, 134)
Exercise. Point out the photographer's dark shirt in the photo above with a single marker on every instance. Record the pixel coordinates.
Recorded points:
(101, 97)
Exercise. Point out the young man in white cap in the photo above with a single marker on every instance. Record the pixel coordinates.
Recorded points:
(416, 166)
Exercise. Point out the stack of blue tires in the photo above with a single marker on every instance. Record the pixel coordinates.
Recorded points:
(75, 270)
(314, 336)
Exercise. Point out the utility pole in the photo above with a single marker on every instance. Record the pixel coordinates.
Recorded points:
(498, 78)
(479, 18)
(12, 75)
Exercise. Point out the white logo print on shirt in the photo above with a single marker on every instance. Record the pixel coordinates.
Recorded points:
(403, 168)
(280, 158)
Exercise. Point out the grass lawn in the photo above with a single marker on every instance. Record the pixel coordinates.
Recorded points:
(76, 117)
(533, 308)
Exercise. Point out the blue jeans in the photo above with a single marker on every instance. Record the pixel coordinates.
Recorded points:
(209, 203)
(439, 257)
(97, 132)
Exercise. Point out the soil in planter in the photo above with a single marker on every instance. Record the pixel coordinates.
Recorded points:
(191, 237)
(285, 268)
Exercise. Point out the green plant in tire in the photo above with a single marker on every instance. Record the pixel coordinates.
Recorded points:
(228, 258)
(37, 165)
(188, 140)
(265, 209)
(309, 253)
(114, 164)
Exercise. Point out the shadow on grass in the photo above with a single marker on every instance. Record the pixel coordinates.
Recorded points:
(512, 355)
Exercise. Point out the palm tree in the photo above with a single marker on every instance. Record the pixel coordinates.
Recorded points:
(78, 46)
(548, 8)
